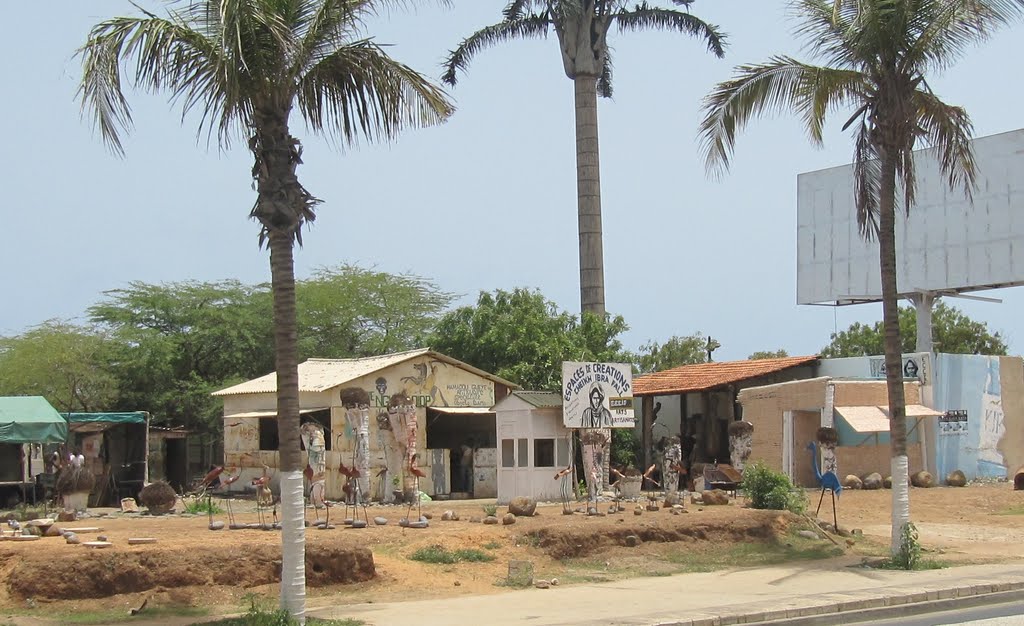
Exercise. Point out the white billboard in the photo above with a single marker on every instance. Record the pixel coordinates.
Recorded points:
(597, 395)
(947, 244)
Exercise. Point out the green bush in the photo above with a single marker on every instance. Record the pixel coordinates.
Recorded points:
(768, 489)
(909, 554)
(201, 505)
(442, 555)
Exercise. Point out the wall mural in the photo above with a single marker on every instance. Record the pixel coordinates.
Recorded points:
(357, 422)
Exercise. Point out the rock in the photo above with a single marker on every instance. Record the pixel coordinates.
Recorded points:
(72, 538)
(542, 584)
(53, 531)
(458, 584)
(715, 497)
(922, 479)
(67, 516)
(428, 515)
(474, 519)
(522, 506)
(490, 519)
(420, 524)
(652, 507)
(508, 518)
(695, 498)
(359, 523)
(632, 541)
(380, 521)
(872, 481)
(32, 531)
(592, 510)
(567, 511)
(612, 510)
(808, 534)
(852, 482)
(638, 510)
(449, 516)
(887, 482)
(554, 582)
(102, 538)
(677, 507)
(956, 478)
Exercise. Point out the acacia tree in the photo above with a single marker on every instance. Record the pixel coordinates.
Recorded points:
(582, 28)
(876, 55)
(954, 333)
(245, 66)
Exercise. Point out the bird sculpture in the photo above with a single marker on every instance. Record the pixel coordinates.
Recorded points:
(828, 481)
(418, 473)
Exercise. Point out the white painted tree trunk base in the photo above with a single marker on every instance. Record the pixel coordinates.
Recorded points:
(900, 468)
(293, 546)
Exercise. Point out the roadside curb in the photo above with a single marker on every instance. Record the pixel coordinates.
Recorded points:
(861, 606)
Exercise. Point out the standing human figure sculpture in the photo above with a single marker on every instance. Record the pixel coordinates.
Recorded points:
(672, 468)
(357, 416)
(594, 443)
(312, 435)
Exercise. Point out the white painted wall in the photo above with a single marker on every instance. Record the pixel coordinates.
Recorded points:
(518, 473)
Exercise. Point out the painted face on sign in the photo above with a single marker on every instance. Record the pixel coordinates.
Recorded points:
(596, 397)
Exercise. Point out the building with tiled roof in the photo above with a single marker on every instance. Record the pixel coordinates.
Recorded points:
(697, 402)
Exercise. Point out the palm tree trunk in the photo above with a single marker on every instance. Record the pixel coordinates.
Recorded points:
(281, 207)
(588, 193)
(293, 537)
(893, 348)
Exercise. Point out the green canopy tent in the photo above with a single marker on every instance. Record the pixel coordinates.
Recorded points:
(25, 420)
(30, 419)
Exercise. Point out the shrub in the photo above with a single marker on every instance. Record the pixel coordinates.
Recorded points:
(768, 489)
(201, 506)
(440, 554)
(909, 554)
(490, 510)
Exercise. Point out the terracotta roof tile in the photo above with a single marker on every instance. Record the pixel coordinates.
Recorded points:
(704, 376)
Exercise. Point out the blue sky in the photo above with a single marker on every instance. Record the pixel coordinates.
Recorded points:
(485, 201)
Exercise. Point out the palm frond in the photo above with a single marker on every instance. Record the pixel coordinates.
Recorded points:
(867, 178)
(780, 84)
(946, 29)
(948, 130)
(168, 55)
(644, 16)
(360, 91)
(533, 25)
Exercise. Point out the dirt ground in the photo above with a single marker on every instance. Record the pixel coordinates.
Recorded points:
(190, 565)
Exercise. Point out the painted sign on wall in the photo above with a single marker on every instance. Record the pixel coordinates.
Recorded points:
(597, 395)
(969, 433)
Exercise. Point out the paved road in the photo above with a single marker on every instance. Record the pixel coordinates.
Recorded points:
(1009, 614)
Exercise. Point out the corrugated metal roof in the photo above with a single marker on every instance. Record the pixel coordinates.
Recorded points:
(317, 375)
(875, 419)
(704, 376)
(461, 410)
(540, 399)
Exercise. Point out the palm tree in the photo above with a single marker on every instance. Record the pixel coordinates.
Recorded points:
(582, 28)
(876, 55)
(244, 66)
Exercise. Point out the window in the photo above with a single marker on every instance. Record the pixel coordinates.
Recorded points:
(508, 453)
(543, 452)
(268, 434)
(323, 418)
(524, 453)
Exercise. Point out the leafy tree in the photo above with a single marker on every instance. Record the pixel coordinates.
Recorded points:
(657, 357)
(582, 28)
(877, 55)
(180, 341)
(954, 333)
(64, 363)
(246, 66)
(768, 354)
(523, 337)
(349, 311)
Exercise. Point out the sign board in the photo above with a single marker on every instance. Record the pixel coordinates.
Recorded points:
(947, 244)
(915, 366)
(597, 395)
